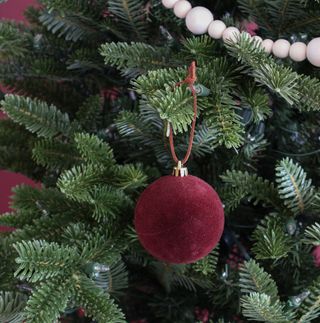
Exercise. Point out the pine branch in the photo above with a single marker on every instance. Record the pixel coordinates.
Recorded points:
(254, 279)
(138, 56)
(89, 114)
(131, 16)
(239, 185)
(54, 155)
(296, 89)
(259, 307)
(108, 203)
(36, 116)
(294, 189)
(310, 307)
(272, 242)
(312, 234)
(96, 304)
(94, 150)
(207, 265)
(11, 307)
(14, 41)
(49, 300)
(130, 177)
(79, 180)
(39, 260)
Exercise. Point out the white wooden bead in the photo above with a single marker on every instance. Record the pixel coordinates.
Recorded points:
(169, 3)
(198, 20)
(298, 52)
(181, 8)
(313, 52)
(216, 29)
(267, 45)
(281, 48)
(257, 39)
(230, 34)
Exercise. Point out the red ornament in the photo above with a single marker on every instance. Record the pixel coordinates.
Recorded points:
(179, 219)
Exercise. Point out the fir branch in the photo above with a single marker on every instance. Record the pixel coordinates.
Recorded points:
(11, 307)
(130, 177)
(49, 300)
(53, 154)
(89, 114)
(79, 180)
(131, 16)
(259, 307)
(254, 279)
(283, 81)
(36, 116)
(94, 150)
(133, 56)
(271, 240)
(312, 234)
(108, 203)
(38, 260)
(207, 265)
(14, 41)
(310, 307)
(239, 185)
(294, 189)
(96, 304)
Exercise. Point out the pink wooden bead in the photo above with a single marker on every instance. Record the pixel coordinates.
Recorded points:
(181, 8)
(281, 48)
(198, 20)
(267, 45)
(216, 29)
(169, 3)
(313, 52)
(298, 52)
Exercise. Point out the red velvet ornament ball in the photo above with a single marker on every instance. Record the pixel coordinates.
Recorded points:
(179, 219)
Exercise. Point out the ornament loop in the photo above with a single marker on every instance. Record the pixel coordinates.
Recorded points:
(189, 80)
(179, 170)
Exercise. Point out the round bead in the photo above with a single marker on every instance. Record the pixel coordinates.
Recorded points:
(298, 52)
(257, 39)
(216, 29)
(198, 20)
(181, 8)
(169, 3)
(230, 34)
(281, 48)
(313, 52)
(267, 45)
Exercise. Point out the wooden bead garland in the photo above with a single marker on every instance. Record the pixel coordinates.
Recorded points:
(200, 20)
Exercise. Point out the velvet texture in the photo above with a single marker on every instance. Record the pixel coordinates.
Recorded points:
(179, 219)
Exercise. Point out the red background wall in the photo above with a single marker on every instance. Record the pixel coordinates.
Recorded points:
(13, 10)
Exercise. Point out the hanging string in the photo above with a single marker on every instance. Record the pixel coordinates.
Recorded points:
(189, 80)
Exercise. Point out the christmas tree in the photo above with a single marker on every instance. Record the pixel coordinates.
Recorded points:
(92, 97)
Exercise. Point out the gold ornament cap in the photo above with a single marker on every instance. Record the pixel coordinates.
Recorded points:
(179, 170)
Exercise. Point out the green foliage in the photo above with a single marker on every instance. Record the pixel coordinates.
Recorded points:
(11, 307)
(127, 56)
(310, 307)
(94, 150)
(259, 307)
(39, 260)
(272, 242)
(97, 305)
(51, 298)
(295, 89)
(13, 40)
(242, 184)
(296, 191)
(253, 279)
(312, 234)
(36, 116)
(207, 265)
